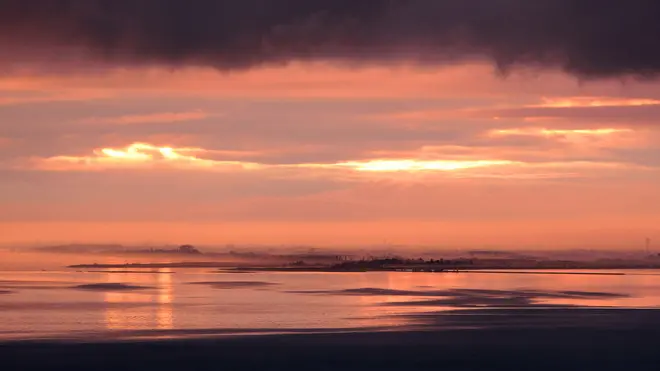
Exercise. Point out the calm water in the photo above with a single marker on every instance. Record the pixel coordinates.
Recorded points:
(37, 304)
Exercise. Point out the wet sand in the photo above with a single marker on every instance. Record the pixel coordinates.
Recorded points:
(487, 349)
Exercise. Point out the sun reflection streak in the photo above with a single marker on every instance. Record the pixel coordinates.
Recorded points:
(165, 299)
(143, 309)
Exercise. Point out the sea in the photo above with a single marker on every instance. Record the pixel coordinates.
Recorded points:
(124, 304)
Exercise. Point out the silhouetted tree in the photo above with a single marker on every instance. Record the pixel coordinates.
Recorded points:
(188, 249)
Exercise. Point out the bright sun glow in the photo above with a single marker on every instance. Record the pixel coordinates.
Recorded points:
(147, 152)
(419, 165)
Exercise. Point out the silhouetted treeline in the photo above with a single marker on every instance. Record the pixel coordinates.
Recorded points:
(394, 262)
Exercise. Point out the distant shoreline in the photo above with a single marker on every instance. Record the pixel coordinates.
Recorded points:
(490, 269)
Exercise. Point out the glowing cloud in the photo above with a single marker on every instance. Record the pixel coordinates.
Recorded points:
(148, 152)
(558, 132)
(143, 154)
(418, 165)
(149, 156)
(574, 102)
(140, 155)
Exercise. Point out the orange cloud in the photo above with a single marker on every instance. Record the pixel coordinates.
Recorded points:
(467, 113)
(140, 155)
(559, 132)
(412, 165)
(597, 143)
(571, 102)
(418, 116)
(558, 109)
(155, 118)
(50, 97)
(311, 80)
(583, 139)
(423, 164)
(481, 169)
(143, 154)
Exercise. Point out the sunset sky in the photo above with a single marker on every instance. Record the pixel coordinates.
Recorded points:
(320, 150)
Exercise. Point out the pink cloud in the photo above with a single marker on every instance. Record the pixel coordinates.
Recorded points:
(155, 118)
(327, 153)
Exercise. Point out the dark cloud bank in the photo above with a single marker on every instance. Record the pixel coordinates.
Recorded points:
(587, 38)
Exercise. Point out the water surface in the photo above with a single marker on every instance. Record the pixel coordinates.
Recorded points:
(167, 303)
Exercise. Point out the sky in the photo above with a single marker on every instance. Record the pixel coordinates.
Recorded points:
(445, 123)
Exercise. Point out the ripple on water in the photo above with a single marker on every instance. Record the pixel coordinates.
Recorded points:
(234, 284)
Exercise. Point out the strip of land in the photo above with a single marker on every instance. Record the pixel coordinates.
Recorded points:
(536, 267)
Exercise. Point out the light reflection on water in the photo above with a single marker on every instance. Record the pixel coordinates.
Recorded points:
(47, 303)
(155, 313)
